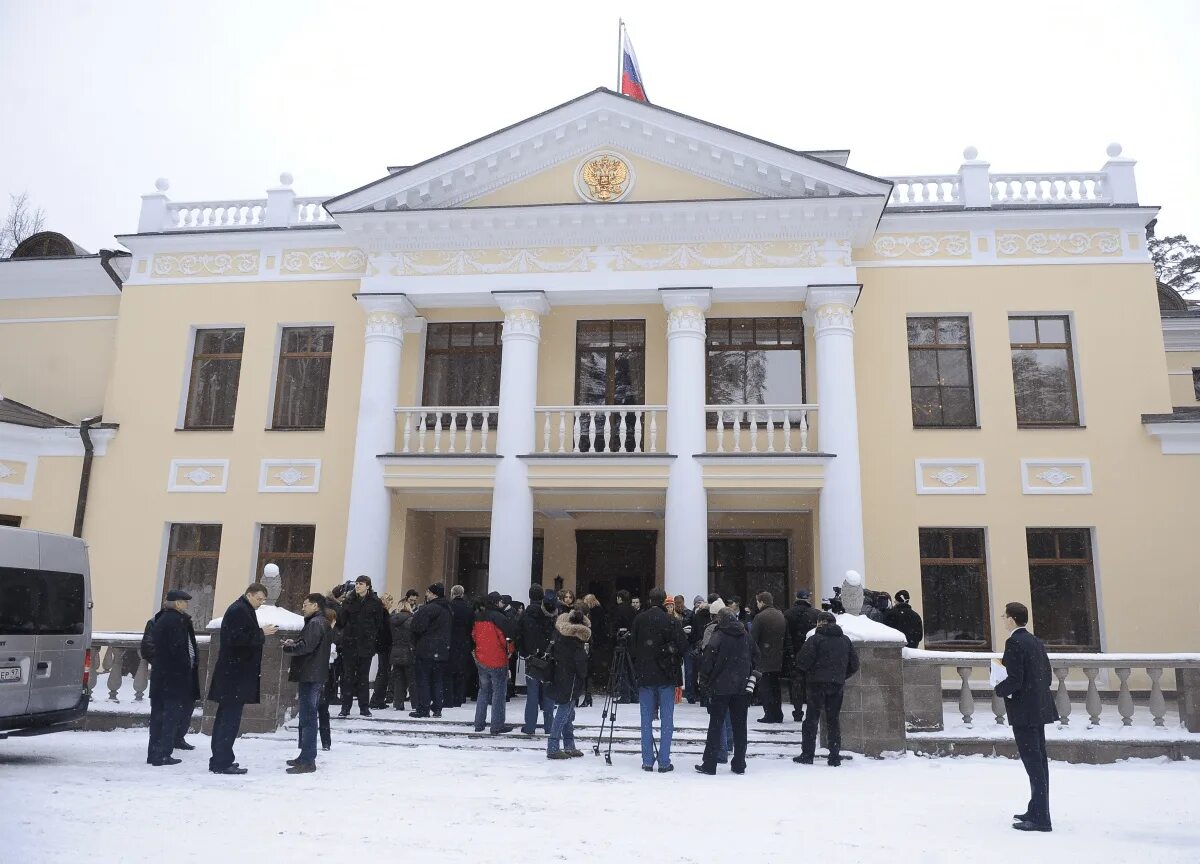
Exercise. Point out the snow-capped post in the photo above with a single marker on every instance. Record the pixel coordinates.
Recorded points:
(153, 217)
(852, 593)
(272, 582)
(975, 180)
(281, 202)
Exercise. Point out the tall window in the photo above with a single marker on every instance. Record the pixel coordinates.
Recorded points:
(954, 590)
(290, 547)
(610, 363)
(743, 567)
(302, 388)
(755, 361)
(1196, 383)
(462, 364)
(939, 372)
(10, 521)
(216, 367)
(1043, 370)
(192, 553)
(1062, 584)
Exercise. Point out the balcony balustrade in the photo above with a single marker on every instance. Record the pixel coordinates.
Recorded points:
(448, 429)
(600, 430)
(781, 428)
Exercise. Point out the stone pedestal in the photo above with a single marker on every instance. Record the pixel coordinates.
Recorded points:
(923, 698)
(873, 707)
(1187, 686)
(277, 695)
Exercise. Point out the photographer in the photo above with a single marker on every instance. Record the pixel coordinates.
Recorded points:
(726, 679)
(535, 628)
(657, 645)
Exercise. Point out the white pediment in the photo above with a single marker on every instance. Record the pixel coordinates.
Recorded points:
(680, 158)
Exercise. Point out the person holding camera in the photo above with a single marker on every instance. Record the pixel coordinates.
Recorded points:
(570, 679)
(361, 619)
(727, 679)
(827, 659)
(431, 627)
(535, 629)
(657, 644)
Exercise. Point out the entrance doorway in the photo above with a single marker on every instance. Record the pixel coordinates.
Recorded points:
(610, 561)
(742, 567)
(472, 562)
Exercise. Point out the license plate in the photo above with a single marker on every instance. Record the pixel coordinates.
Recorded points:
(11, 673)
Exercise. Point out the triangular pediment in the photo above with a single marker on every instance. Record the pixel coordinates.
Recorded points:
(665, 156)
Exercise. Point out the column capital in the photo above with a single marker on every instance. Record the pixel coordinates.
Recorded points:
(387, 315)
(685, 309)
(523, 311)
(830, 308)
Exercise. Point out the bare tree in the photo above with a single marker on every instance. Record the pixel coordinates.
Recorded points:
(21, 222)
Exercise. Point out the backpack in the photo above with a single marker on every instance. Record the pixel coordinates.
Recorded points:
(147, 648)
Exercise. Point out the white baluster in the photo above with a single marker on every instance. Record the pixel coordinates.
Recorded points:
(753, 417)
(770, 432)
(407, 430)
(562, 431)
(787, 431)
(737, 431)
(1092, 702)
(595, 437)
(653, 431)
(453, 430)
(575, 432)
(803, 431)
(141, 679)
(546, 433)
(483, 436)
(621, 434)
(421, 434)
(1062, 701)
(437, 432)
(1158, 705)
(720, 432)
(637, 431)
(966, 700)
(470, 430)
(1124, 697)
(114, 677)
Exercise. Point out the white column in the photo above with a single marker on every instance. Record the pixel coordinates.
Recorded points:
(368, 523)
(686, 540)
(511, 557)
(840, 520)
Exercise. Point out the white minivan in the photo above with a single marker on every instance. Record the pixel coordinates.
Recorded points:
(45, 631)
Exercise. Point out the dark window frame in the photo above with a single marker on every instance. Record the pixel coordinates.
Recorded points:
(1089, 585)
(190, 408)
(176, 556)
(936, 346)
(495, 348)
(610, 351)
(744, 572)
(1068, 347)
(712, 346)
(10, 521)
(288, 594)
(1196, 381)
(284, 355)
(980, 561)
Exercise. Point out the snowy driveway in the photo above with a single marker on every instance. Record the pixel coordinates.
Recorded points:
(90, 797)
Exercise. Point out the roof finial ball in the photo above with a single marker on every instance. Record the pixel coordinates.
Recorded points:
(285, 179)
(1113, 150)
(971, 153)
(162, 184)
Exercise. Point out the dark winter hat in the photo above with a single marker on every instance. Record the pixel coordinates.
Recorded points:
(826, 618)
(550, 598)
(437, 589)
(902, 596)
(494, 598)
(803, 595)
(507, 599)
(172, 596)
(536, 592)
(364, 579)
(411, 592)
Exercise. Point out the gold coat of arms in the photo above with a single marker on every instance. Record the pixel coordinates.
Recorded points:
(605, 177)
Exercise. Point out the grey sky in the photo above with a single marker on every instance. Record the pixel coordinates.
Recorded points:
(97, 99)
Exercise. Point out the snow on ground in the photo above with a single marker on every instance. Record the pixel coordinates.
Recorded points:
(89, 796)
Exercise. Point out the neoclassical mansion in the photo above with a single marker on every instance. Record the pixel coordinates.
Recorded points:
(613, 346)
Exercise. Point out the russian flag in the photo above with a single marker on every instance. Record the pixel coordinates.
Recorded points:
(631, 75)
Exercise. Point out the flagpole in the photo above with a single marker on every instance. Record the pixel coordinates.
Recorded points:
(620, 52)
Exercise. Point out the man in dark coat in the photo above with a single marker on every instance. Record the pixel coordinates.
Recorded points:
(827, 659)
(309, 669)
(725, 667)
(904, 618)
(801, 618)
(657, 645)
(535, 629)
(769, 632)
(1026, 695)
(460, 666)
(570, 679)
(431, 628)
(361, 619)
(383, 655)
(174, 678)
(402, 653)
(236, 673)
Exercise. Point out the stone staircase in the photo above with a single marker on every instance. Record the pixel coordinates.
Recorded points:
(455, 729)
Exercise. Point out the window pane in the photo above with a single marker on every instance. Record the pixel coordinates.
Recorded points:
(1052, 330)
(593, 334)
(1040, 544)
(927, 406)
(461, 335)
(791, 331)
(628, 377)
(210, 538)
(783, 373)
(1064, 607)
(935, 543)
(42, 602)
(437, 336)
(952, 331)
(1022, 331)
(954, 366)
(303, 538)
(922, 367)
(776, 553)
(968, 543)
(1043, 386)
(213, 398)
(183, 538)
(629, 333)
(717, 330)
(742, 331)
(958, 406)
(921, 331)
(302, 392)
(220, 341)
(592, 378)
(1073, 543)
(954, 602)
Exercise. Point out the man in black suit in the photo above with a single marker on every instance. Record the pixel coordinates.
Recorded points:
(1026, 694)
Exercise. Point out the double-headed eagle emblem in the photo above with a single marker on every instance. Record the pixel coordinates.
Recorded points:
(605, 176)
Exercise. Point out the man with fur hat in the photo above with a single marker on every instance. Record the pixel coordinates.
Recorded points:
(431, 628)
(904, 618)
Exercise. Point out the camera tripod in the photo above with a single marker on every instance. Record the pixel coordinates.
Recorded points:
(621, 681)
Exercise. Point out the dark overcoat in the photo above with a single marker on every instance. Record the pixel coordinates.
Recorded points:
(1026, 690)
(239, 662)
(174, 674)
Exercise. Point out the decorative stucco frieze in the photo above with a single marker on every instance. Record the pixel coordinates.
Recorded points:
(1084, 243)
(326, 260)
(1056, 476)
(950, 477)
(176, 265)
(718, 256)
(289, 475)
(492, 262)
(198, 475)
(932, 246)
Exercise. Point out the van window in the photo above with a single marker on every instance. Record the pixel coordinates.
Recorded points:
(40, 602)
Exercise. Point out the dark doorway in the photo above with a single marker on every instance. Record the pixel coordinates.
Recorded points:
(743, 567)
(473, 561)
(610, 561)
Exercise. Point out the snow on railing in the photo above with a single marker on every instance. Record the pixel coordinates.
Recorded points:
(975, 186)
(737, 427)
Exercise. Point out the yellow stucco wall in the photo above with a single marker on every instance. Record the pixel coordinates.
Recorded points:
(1179, 370)
(1143, 506)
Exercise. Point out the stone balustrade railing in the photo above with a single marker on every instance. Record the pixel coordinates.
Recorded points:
(599, 430)
(974, 186)
(444, 430)
(280, 209)
(923, 670)
(115, 655)
(784, 428)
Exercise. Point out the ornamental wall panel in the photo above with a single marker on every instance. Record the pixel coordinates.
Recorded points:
(198, 475)
(918, 246)
(16, 477)
(203, 265)
(950, 477)
(1056, 477)
(1059, 243)
(289, 475)
(307, 262)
